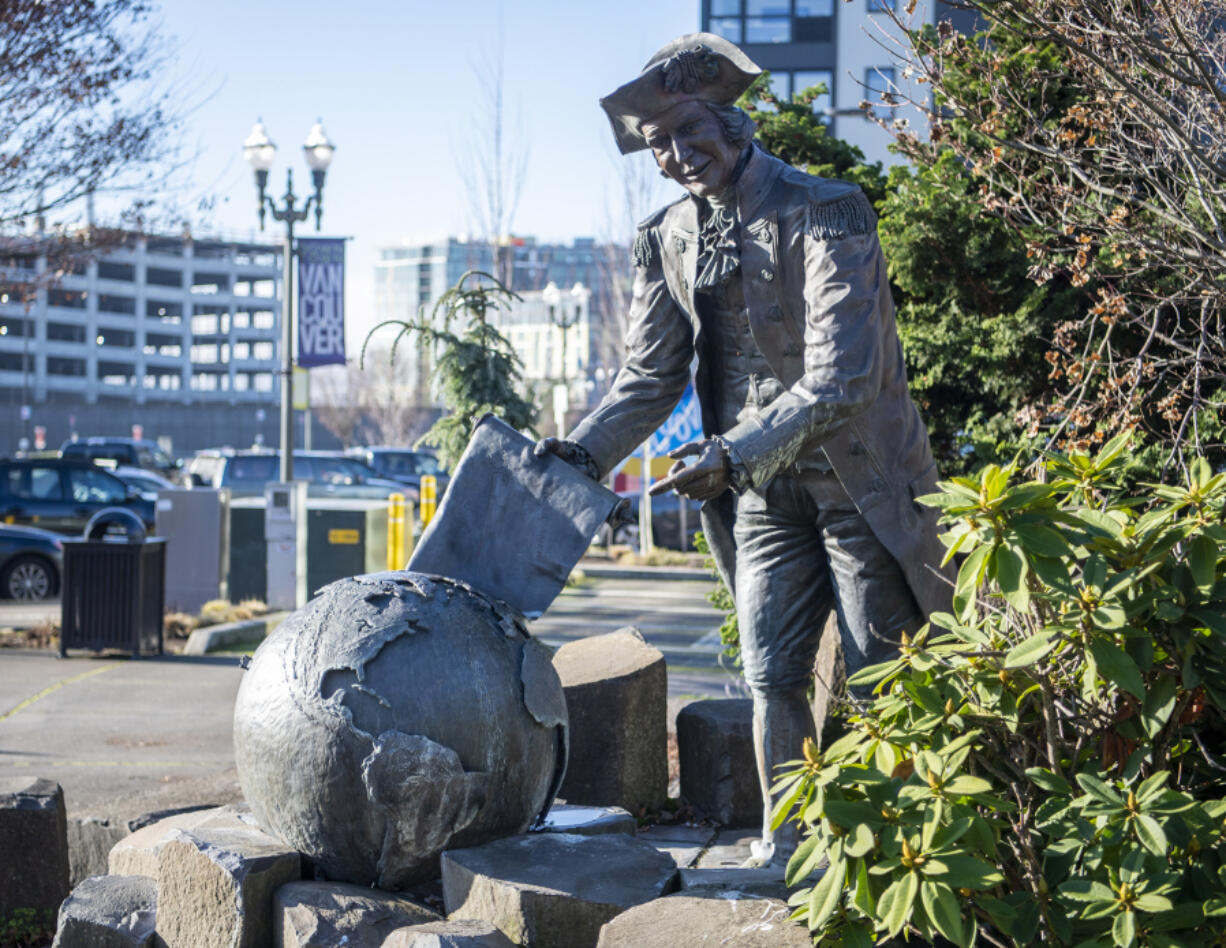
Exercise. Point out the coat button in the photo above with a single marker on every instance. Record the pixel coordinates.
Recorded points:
(775, 314)
(768, 274)
(855, 449)
(792, 349)
(877, 486)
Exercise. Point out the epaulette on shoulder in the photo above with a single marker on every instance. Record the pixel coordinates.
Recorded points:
(643, 251)
(849, 215)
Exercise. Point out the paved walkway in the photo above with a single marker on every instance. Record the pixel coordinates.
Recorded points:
(127, 736)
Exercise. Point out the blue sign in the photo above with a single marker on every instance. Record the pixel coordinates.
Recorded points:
(683, 426)
(321, 301)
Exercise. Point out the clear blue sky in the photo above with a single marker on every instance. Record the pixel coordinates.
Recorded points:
(395, 84)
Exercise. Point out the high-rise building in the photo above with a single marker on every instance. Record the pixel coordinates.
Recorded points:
(180, 337)
(410, 278)
(846, 44)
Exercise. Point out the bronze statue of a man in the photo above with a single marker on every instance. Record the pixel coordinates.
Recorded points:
(814, 453)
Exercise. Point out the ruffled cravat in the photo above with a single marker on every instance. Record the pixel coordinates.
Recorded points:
(719, 252)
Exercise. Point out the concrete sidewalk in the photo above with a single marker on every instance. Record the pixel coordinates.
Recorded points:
(122, 736)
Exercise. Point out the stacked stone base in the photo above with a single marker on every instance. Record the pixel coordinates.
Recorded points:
(590, 878)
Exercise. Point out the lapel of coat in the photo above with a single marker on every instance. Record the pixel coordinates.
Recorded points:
(682, 244)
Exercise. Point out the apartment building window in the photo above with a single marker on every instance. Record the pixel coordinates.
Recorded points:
(122, 338)
(108, 270)
(13, 327)
(116, 373)
(165, 312)
(12, 362)
(263, 351)
(803, 79)
(123, 305)
(160, 276)
(67, 299)
(772, 21)
(65, 332)
(210, 282)
(163, 345)
(167, 380)
(263, 319)
(69, 368)
(879, 83)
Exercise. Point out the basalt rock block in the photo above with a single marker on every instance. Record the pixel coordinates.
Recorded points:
(616, 689)
(215, 887)
(587, 820)
(552, 890)
(90, 840)
(715, 750)
(341, 915)
(457, 933)
(108, 912)
(34, 867)
(137, 854)
(686, 920)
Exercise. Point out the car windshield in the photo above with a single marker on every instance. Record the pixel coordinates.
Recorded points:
(261, 468)
(339, 470)
(401, 463)
(144, 481)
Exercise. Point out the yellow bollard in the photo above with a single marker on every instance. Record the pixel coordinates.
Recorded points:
(395, 531)
(429, 498)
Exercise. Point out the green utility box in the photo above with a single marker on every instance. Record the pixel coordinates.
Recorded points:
(344, 538)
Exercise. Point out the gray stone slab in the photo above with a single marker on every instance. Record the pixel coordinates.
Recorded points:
(90, 840)
(457, 933)
(108, 912)
(767, 882)
(684, 843)
(587, 820)
(215, 887)
(715, 750)
(729, 849)
(34, 843)
(336, 914)
(553, 890)
(616, 688)
(687, 921)
(137, 854)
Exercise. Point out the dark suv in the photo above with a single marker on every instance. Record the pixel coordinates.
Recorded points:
(328, 474)
(61, 494)
(127, 452)
(401, 464)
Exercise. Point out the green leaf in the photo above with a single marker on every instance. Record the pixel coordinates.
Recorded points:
(1099, 790)
(962, 872)
(862, 898)
(875, 673)
(1151, 787)
(894, 906)
(1038, 540)
(1124, 930)
(1046, 780)
(857, 936)
(969, 577)
(1151, 902)
(808, 854)
(942, 907)
(1087, 890)
(1009, 569)
(948, 835)
(1150, 833)
(1202, 555)
(1115, 665)
(860, 842)
(848, 813)
(966, 785)
(824, 898)
(1159, 702)
(1032, 649)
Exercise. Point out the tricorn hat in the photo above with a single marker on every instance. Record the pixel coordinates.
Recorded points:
(697, 66)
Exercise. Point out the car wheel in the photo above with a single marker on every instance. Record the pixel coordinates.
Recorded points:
(29, 578)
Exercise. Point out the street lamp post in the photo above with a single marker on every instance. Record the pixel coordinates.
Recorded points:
(552, 297)
(260, 151)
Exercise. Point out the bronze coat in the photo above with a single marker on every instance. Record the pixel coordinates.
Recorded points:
(821, 313)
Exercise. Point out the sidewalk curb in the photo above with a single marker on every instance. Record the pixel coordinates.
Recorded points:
(248, 631)
(600, 571)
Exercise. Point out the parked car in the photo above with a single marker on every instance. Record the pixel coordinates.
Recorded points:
(328, 474)
(31, 563)
(665, 521)
(124, 451)
(403, 465)
(61, 494)
(147, 482)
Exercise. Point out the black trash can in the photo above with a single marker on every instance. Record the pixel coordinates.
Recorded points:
(114, 586)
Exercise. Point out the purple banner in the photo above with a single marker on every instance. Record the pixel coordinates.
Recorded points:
(321, 301)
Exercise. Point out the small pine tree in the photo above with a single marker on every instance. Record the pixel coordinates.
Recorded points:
(476, 370)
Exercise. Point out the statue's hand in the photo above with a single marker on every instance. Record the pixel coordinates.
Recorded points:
(549, 446)
(704, 479)
(573, 453)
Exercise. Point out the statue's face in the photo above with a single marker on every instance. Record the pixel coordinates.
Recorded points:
(690, 146)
